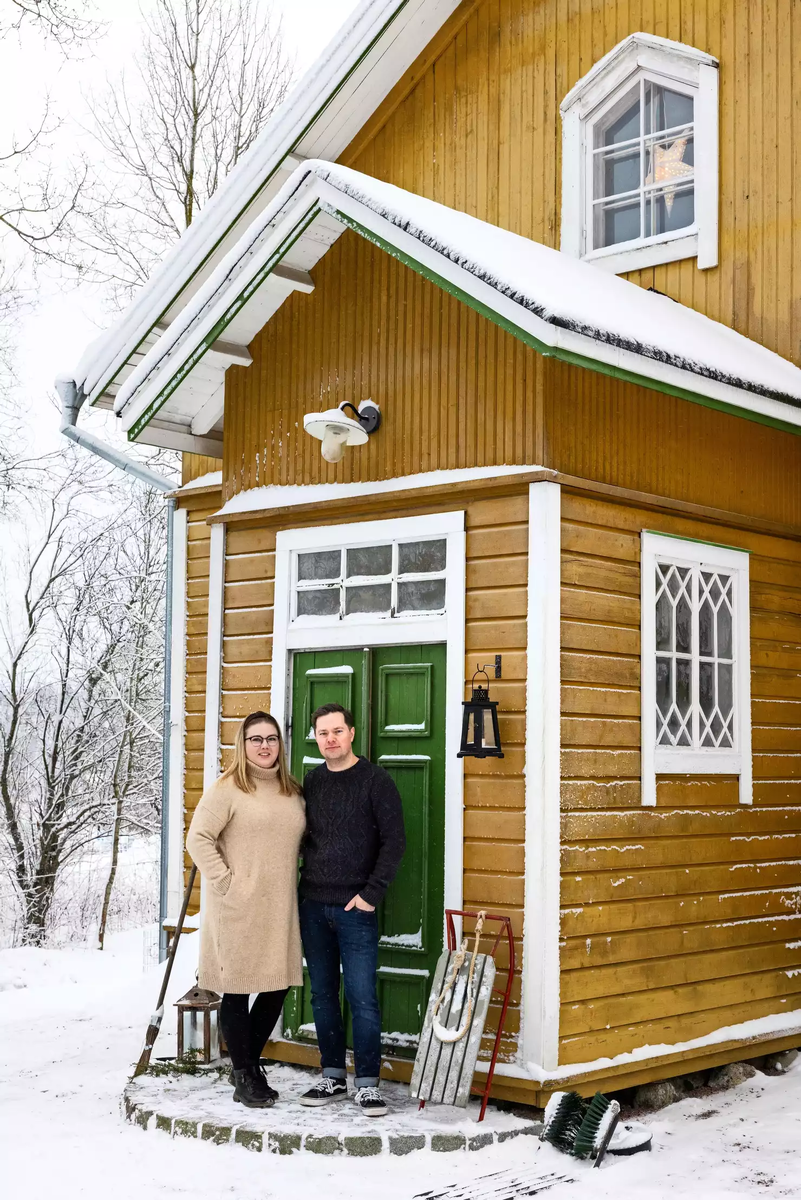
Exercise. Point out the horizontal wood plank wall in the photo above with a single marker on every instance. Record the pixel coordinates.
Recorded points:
(496, 623)
(475, 125)
(684, 918)
(197, 609)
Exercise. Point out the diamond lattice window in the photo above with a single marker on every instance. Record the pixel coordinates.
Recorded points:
(696, 707)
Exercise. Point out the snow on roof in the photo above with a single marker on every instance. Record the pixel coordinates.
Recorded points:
(555, 302)
(376, 44)
(570, 294)
(288, 495)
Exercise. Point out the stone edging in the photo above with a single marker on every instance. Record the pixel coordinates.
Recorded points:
(285, 1142)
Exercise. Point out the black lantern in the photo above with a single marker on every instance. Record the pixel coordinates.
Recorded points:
(480, 736)
(198, 1025)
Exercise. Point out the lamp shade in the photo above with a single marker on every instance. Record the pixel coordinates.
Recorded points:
(480, 735)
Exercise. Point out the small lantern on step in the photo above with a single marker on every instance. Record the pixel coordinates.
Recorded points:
(480, 736)
(199, 1025)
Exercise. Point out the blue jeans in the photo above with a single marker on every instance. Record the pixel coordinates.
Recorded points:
(331, 935)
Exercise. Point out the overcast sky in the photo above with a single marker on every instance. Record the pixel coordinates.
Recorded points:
(68, 317)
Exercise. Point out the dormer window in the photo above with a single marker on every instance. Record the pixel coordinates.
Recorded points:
(640, 151)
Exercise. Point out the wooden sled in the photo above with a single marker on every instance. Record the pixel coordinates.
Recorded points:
(455, 1017)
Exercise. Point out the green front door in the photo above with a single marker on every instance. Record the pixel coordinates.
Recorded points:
(397, 696)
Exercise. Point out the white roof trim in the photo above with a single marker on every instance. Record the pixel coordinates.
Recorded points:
(560, 304)
(638, 49)
(324, 111)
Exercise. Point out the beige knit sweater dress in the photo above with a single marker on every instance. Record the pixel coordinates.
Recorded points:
(246, 847)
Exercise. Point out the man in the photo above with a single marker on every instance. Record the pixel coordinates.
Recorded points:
(354, 845)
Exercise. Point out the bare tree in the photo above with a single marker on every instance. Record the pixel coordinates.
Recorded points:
(80, 687)
(207, 78)
(61, 21)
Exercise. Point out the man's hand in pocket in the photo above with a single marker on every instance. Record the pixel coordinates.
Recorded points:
(362, 905)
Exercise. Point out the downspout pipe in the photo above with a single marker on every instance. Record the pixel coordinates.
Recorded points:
(71, 401)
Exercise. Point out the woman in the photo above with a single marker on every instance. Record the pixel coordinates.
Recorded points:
(245, 838)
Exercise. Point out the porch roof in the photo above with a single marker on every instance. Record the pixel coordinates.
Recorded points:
(557, 304)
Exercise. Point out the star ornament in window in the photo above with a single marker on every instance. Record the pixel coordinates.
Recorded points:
(667, 163)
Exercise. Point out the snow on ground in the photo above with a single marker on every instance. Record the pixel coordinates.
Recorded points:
(72, 1022)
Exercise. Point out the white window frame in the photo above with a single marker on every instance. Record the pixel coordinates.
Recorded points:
(407, 629)
(679, 760)
(392, 579)
(670, 64)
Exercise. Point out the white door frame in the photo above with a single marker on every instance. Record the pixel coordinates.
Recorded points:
(397, 631)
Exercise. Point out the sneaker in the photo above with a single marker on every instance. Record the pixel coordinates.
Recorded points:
(324, 1092)
(369, 1100)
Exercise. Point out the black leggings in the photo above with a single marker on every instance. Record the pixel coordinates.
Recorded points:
(245, 1032)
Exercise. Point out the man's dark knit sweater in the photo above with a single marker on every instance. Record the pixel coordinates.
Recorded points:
(354, 834)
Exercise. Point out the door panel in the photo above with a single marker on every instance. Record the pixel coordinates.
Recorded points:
(397, 696)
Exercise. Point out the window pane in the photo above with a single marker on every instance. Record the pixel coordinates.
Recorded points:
(373, 598)
(417, 558)
(725, 690)
(684, 625)
(664, 691)
(669, 210)
(319, 602)
(665, 109)
(321, 564)
(618, 171)
(706, 633)
(706, 687)
(724, 631)
(664, 623)
(683, 675)
(425, 595)
(370, 560)
(617, 221)
(623, 123)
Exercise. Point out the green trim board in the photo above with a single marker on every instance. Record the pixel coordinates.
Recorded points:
(268, 178)
(680, 537)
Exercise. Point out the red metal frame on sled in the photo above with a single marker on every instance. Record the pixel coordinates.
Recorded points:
(505, 925)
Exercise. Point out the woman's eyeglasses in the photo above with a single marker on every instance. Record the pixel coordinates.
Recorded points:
(271, 741)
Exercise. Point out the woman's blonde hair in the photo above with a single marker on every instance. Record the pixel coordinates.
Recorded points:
(238, 771)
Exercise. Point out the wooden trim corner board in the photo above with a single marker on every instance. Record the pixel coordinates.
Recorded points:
(175, 815)
(540, 1005)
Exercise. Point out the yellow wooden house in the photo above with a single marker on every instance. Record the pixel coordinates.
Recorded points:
(558, 247)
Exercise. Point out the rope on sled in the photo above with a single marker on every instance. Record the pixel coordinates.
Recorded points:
(440, 1031)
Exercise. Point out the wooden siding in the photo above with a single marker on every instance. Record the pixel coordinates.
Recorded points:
(495, 622)
(195, 465)
(475, 125)
(684, 918)
(197, 610)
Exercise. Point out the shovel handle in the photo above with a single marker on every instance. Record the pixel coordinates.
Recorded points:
(178, 930)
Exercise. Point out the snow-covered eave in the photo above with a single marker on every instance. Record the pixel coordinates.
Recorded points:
(347, 197)
(332, 80)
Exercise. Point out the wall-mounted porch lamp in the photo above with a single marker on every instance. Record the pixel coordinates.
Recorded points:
(480, 736)
(336, 430)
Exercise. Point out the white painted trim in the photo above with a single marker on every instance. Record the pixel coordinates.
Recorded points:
(539, 1041)
(175, 813)
(448, 629)
(707, 170)
(211, 736)
(662, 760)
(668, 62)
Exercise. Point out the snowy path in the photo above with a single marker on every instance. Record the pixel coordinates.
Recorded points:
(71, 1022)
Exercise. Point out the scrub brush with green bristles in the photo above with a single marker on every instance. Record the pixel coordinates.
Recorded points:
(596, 1129)
(563, 1119)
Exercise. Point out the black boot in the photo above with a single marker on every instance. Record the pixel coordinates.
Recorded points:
(250, 1089)
(271, 1092)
